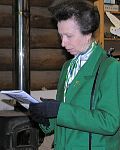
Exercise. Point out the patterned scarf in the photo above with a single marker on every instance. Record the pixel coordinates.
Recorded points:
(76, 63)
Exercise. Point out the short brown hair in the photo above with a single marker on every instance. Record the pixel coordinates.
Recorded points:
(84, 12)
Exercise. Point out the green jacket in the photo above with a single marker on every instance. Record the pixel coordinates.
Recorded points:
(75, 120)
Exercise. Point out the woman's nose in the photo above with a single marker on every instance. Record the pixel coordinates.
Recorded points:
(63, 43)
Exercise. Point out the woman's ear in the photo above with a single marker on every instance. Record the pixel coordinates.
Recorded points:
(88, 38)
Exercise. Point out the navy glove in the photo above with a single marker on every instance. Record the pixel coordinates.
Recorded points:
(46, 109)
(41, 120)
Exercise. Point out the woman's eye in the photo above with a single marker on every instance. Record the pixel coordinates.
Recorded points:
(69, 36)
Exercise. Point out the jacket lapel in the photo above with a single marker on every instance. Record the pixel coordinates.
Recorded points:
(86, 73)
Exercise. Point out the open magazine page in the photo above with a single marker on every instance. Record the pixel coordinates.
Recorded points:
(21, 96)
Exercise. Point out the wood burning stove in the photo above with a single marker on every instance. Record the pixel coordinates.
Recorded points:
(18, 132)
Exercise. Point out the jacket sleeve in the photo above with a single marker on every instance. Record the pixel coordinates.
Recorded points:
(105, 118)
(53, 121)
(50, 129)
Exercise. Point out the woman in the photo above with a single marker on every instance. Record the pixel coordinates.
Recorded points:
(77, 125)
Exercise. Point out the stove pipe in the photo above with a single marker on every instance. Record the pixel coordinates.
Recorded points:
(21, 50)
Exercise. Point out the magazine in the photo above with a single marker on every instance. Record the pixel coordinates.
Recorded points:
(21, 96)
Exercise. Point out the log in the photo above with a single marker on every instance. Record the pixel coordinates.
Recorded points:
(42, 3)
(44, 38)
(5, 60)
(5, 2)
(5, 38)
(39, 80)
(40, 59)
(5, 16)
(47, 59)
(40, 17)
(5, 80)
(39, 38)
(44, 80)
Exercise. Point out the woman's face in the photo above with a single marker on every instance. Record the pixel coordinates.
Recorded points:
(72, 39)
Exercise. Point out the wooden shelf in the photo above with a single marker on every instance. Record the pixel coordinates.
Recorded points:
(114, 39)
(115, 12)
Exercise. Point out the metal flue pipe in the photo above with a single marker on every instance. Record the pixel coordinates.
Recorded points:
(21, 51)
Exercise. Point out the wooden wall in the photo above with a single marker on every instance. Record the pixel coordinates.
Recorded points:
(46, 54)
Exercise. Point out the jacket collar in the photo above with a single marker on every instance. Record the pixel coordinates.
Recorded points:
(90, 67)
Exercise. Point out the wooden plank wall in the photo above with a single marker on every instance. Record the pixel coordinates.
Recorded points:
(46, 54)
